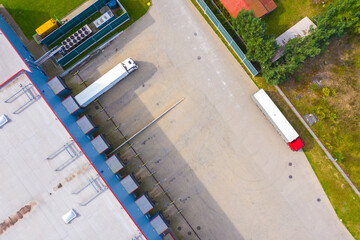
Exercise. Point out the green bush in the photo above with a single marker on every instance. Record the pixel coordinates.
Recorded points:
(320, 113)
(340, 17)
(338, 156)
(325, 92)
(332, 117)
(333, 92)
(260, 47)
(323, 112)
(314, 86)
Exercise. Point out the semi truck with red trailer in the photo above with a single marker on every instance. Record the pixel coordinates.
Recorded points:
(278, 120)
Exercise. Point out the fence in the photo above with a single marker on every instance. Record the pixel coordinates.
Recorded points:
(227, 37)
(58, 33)
(94, 39)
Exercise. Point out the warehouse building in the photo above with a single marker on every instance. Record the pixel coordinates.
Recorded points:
(54, 182)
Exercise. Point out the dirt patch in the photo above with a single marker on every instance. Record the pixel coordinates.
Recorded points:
(11, 220)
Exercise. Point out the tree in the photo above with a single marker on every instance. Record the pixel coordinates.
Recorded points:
(260, 47)
(277, 73)
(261, 50)
(340, 17)
(248, 26)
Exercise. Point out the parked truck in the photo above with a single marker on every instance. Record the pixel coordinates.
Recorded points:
(278, 120)
(105, 82)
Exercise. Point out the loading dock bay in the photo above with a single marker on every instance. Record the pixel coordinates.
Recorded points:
(217, 157)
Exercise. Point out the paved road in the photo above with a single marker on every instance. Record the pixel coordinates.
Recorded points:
(216, 154)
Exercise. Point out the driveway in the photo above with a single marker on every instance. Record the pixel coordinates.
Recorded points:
(215, 154)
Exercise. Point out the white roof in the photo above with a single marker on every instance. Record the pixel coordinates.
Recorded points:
(56, 85)
(159, 224)
(85, 124)
(275, 116)
(100, 144)
(300, 29)
(10, 61)
(100, 86)
(129, 184)
(70, 104)
(144, 204)
(114, 164)
(30, 186)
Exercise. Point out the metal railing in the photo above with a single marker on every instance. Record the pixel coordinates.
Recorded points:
(29, 91)
(227, 37)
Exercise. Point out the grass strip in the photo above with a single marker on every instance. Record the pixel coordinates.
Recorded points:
(31, 14)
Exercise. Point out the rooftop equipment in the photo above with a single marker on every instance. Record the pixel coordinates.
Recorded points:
(112, 4)
(76, 38)
(69, 216)
(3, 120)
(47, 28)
(31, 94)
(104, 19)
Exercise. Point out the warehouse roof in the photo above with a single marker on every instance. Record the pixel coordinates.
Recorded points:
(12, 63)
(54, 179)
(44, 175)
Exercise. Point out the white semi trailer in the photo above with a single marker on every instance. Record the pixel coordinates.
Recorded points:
(107, 81)
(278, 120)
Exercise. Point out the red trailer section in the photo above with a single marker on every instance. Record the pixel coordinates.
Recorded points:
(296, 145)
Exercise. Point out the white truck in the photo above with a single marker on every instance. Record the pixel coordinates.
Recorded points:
(278, 120)
(105, 82)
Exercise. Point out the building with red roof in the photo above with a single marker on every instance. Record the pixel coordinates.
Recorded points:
(260, 7)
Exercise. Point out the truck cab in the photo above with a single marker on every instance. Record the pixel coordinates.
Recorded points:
(130, 65)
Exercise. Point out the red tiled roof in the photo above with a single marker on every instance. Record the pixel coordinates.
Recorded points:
(269, 5)
(260, 7)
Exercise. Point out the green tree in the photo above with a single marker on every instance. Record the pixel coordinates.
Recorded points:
(248, 26)
(277, 73)
(340, 17)
(260, 47)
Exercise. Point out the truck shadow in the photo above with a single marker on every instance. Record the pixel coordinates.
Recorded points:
(187, 205)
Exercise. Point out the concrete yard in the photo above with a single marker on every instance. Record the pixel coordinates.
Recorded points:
(216, 154)
(34, 196)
